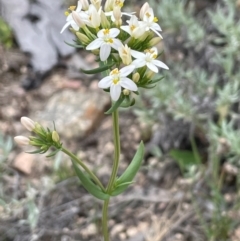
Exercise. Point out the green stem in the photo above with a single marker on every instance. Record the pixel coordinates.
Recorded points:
(116, 139)
(90, 173)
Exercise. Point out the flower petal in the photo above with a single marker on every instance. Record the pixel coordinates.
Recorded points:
(156, 26)
(137, 55)
(139, 63)
(125, 71)
(128, 84)
(105, 82)
(160, 64)
(155, 31)
(113, 32)
(105, 51)
(115, 92)
(126, 29)
(116, 44)
(95, 44)
(65, 26)
(152, 67)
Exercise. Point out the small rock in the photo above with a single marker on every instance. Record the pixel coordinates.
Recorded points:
(132, 231)
(117, 229)
(75, 113)
(24, 163)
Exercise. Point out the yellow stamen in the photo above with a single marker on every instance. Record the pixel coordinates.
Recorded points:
(154, 56)
(119, 3)
(132, 27)
(148, 15)
(106, 31)
(115, 81)
(155, 19)
(115, 71)
(72, 8)
(66, 13)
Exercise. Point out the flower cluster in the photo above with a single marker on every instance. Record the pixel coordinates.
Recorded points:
(127, 51)
(43, 140)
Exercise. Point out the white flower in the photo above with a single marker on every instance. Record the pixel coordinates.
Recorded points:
(92, 17)
(118, 79)
(28, 123)
(85, 4)
(96, 3)
(105, 41)
(149, 59)
(21, 140)
(150, 22)
(134, 28)
(70, 20)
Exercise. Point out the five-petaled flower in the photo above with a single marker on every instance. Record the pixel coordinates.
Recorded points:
(118, 79)
(70, 20)
(105, 41)
(148, 59)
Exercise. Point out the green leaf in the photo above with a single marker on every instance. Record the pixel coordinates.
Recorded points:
(115, 105)
(127, 177)
(156, 80)
(128, 102)
(89, 185)
(53, 153)
(184, 159)
(74, 45)
(98, 70)
(34, 152)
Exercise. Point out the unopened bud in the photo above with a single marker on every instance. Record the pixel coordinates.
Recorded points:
(83, 38)
(77, 19)
(154, 41)
(96, 3)
(126, 92)
(136, 77)
(125, 54)
(143, 10)
(104, 21)
(150, 74)
(109, 5)
(22, 140)
(28, 123)
(55, 136)
(117, 13)
(85, 4)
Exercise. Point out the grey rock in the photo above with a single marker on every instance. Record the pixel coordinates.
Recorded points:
(37, 26)
(75, 113)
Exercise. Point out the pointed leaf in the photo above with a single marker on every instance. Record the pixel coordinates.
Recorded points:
(34, 152)
(156, 80)
(53, 153)
(98, 70)
(89, 185)
(74, 45)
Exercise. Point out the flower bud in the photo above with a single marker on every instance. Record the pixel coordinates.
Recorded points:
(150, 74)
(109, 5)
(83, 38)
(77, 19)
(21, 140)
(143, 10)
(117, 13)
(125, 54)
(104, 21)
(28, 123)
(126, 92)
(96, 3)
(95, 19)
(85, 4)
(136, 77)
(55, 136)
(154, 41)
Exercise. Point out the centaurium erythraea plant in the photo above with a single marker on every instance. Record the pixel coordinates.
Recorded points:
(127, 56)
